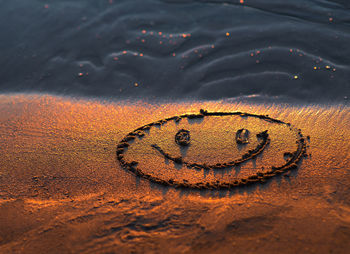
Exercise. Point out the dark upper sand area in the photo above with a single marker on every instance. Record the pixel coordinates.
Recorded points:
(62, 189)
(203, 49)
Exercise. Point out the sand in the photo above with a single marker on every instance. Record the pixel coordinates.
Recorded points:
(63, 190)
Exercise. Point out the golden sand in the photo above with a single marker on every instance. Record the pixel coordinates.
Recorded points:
(62, 188)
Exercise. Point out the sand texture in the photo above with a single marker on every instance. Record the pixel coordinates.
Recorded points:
(64, 188)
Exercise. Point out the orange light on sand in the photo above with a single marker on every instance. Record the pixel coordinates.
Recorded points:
(92, 121)
(59, 164)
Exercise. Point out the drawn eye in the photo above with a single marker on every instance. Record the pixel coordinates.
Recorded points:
(242, 136)
(182, 137)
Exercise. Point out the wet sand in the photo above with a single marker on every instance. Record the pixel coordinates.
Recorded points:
(63, 190)
(202, 49)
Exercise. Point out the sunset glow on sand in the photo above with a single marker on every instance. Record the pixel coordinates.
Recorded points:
(60, 174)
(175, 126)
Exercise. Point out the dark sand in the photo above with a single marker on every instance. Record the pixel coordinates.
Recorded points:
(202, 49)
(62, 189)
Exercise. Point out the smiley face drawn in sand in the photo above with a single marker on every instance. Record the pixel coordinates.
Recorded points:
(212, 150)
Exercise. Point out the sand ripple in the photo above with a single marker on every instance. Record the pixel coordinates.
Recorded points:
(178, 49)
